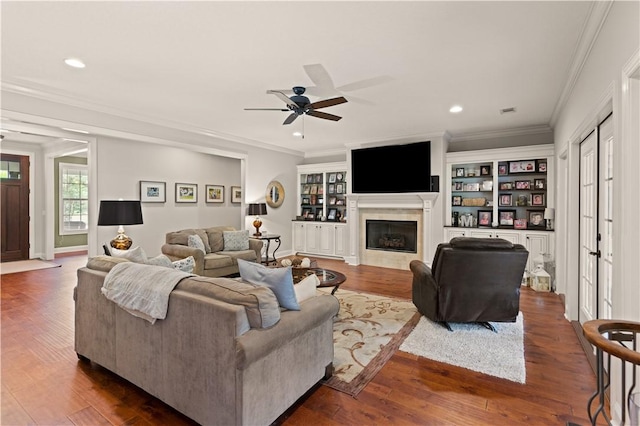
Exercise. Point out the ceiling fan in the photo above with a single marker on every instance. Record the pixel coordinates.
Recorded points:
(298, 105)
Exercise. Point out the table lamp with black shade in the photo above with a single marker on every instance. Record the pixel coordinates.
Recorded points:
(257, 209)
(120, 213)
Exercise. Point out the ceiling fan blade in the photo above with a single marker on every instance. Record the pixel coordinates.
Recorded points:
(283, 97)
(363, 84)
(319, 75)
(324, 115)
(266, 109)
(328, 102)
(290, 118)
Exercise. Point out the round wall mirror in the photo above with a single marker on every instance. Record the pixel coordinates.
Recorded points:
(275, 194)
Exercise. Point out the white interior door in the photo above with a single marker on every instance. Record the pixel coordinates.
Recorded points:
(605, 220)
(588, 292)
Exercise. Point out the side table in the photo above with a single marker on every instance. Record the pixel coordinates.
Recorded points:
(268, 238)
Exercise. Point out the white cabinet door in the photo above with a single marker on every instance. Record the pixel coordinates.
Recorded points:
(326, 238)
(312, 243)
(454, 232)
(341, 240)
(512, 236)
(480, 233)
(537, 245)
(299, 236)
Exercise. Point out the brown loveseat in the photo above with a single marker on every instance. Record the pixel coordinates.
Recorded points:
(471, 280)
(210, 358)
(215, 261)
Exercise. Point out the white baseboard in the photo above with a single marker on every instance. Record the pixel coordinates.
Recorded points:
(70, 249)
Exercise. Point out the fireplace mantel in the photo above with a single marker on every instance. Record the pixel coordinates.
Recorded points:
(422, 201)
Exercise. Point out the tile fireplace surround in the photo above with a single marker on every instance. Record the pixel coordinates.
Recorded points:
(417, 207)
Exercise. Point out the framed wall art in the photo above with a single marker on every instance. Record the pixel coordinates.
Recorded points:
(214, 193)
(236, 194)
(152, 192)
(186, 193)
(528, 166)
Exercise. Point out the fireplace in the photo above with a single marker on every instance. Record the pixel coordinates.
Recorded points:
(392, 235)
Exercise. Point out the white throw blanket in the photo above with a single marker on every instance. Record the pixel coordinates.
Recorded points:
(142, 290)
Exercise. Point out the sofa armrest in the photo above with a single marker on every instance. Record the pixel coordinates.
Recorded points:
(178, 251)
(424, 290)
(256, 245)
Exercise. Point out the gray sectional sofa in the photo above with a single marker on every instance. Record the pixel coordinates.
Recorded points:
(217, 260)
(211, 358)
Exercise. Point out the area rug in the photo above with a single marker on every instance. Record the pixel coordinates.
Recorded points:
(26, 265)
(367, 332)
(472, 346)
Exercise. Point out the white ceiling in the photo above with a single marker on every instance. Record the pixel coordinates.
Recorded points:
(197, 65)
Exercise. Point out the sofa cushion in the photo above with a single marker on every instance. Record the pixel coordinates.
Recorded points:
(182, 238)
(279, 280)
(196, 242)
(215, 261)
(104, 263)
(249, 255)
(215, 237)
(480, 243)
(135, 254)
(259, 302)
(236, 240)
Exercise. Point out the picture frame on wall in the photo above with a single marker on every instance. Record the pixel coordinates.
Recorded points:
(153, 192)
(186, 193)
(214, 193)
(236, 194)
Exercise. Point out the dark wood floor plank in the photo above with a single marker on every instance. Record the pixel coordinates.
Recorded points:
(44, 383)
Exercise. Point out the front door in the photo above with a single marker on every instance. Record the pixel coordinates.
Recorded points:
(14, 179)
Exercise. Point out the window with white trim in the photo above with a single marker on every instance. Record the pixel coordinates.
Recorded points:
(74, 199)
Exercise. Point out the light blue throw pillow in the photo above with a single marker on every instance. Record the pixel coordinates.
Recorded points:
(236, 240)
(196, 242)
(279, 280)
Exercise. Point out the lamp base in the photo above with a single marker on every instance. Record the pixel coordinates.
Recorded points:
(121, 242)
(257, 224)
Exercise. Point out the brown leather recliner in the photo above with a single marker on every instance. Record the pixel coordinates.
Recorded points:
(471, 280)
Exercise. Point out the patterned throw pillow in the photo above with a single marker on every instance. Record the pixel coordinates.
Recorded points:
(196, 242)
(236, 240)
(135, 254)
(185, 265)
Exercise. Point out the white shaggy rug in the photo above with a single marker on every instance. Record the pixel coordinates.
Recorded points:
(472, 346)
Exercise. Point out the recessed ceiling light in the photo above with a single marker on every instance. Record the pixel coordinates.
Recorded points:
(75, 130)
(297, 134)
(74, 62)
(455, 109)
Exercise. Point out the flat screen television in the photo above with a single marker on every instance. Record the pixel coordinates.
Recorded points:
(391, 169)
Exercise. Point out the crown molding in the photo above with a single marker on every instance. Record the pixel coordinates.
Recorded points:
(597, 15)
(42, 93)
(494, 134)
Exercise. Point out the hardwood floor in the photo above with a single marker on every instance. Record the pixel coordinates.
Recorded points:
(44, 383)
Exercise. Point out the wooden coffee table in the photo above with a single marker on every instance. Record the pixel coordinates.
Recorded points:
(328, 278)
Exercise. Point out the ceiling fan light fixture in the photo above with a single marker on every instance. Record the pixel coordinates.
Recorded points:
(455, 109)
(74, 63)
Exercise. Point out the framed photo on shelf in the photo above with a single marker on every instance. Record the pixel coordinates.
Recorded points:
(186, 193)
(318, 178)
(458, 186)
(339, 177)
(314, 189)
(503, 170)
(332, 214)
(520, 223)
(456, 200)
(460, 172)
(522, 200)
(214, 193)
(537, 200)
(471, 187)
(506, 217)
(536, 219)
(236, 194)
(523, 184)
(528, 166)
(152, 192)
(542, 166)
(309, 178)
(485, 217)
(306, 200)
(305, 213)
(339, 188)
(485, 170)
(505, 200)
(505, 186)
(487, 185)
(332, 201)
(539, 183)
(340, 202)
(332, 188)
(306, 189)
(332, 178)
